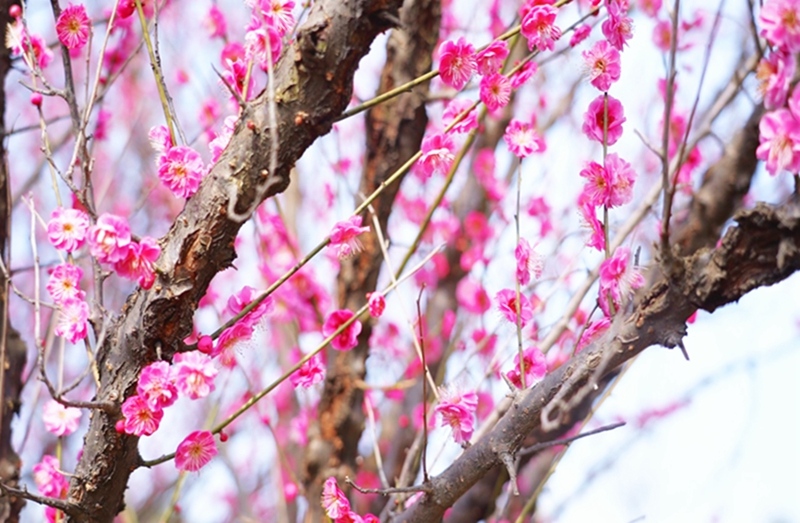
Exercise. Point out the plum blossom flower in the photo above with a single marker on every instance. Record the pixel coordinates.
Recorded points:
(437, 155)
(779, 136)
(344, 237)
(594, 118)
(580, 34)
(278, 14)
(618, 27)
(73, 26)
(348, 338)
(309, 374)
(243, 298)
(775, 74)
(780, 24)
(522, 139)
(109, 238)
(454, 109)
(538, 26)
(181, 169)
(490, 60)
(64, 283)
(524, 74)
(159, 138)
(49, 479)
(73, 318)
(507, 303)
(592, 332)
(215, 23)
(22, 42)
(218, 144)
(528, 261)
(334, 501)
(535, 367)
(618, 280)
(156, 386)
(67, 229)
(195, 451)
(140, 419)
(193, 373)
(139, 262)
(377, 304)
(610, 185)
(589, 216)
(60, 420)
(602, 62)
(262, 44)
(457, 63)
(495, 91)
(472, 296)
(456, 409)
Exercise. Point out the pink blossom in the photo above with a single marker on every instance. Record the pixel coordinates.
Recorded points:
(472, 296)
(22, 41)
(495, 91)
(348, 338)
(602, 61)
(456, 409)
(662, 35)
(589, 215)
(344, 237)
(67, 229)
(538, 26)
(215, 23)
(72, 320)
(649, 7)
(437, 155)
(235, 73)
(528, 261)
(377, 304)
(49, 479)
(779, 135)
(193, 373)
(594, 118)
(195, 451)
(160, 138)
(507, 303)
(457, 63)
(535, 367)
(580, 34)
(156, 386)
(73, 26)
(618, 27)
(593, 331)
(139, 262)
(109, 238)
(617, 279)
(522, 139)
(775, 74)
(181, 169)
(780, 24)
(483, 166)
(245, 297)
(454, 110)
(278, 14)
(309, 374)
(334, 501)
(261, 44)
(60, 420)
(64, 283)
(524, 73)
(218, 144)
(611, 185)
(241, 330)
(491, 59)
(140, 418)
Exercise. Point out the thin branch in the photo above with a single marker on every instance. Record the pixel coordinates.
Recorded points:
(565, 441)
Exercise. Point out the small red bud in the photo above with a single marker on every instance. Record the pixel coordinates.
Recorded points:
(15, 11)
(251, 125)
(36, 99)
(223, 437)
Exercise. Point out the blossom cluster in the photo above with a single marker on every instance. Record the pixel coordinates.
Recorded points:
(337, 506)
(456, 409)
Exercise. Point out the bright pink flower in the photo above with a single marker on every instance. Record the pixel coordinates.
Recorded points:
(215, 23)
(437, 155)
(344, 237)
(377, 304)
(60, 420)
(278, 14)
(218, 144)
(73, 318)
(109, 238)
(780, 24)
(49, 479)
(181, 169)
(779, 134)
(235, 73)
(195, 451)
(522, 139)
(22, 42)
(618, 280)
(334, 501)
(139, 262)
(457, 63)
(524, 74)
(454, 109)
(193, 374)
(602, 62)
(348, 338)
(538, 26)
(491, 59)
(457, 410)
(535, 367)
(67, 229)
(241, 330)
(495, 91)
(65, 282)
(159, 138)
(611, 185)
(472, 296)
(156, 386)
(309, 374)
(528, 261)
(507, 303)
(594, 118)
(592, 332)
(245, 297)
(73, 26)
(261, 44)
(775, 74)
(140, 418)
(580, 34)
(618, 27)
(589, 215)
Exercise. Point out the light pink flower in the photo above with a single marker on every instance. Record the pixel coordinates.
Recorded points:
(193, 374)
(241, 330)
(491, 59)
(472, 296)
(195, 451)
(109, 238)
(261, 44)
(456, 409)
(775, 74)
(538, 26)
(780, 24)
(278, 14)
(334, 501)
(454, 109)
(348, 338)
(49, 479)
(156, 386)
(139, 262)
(72, 320)
(589, 215)
(602, 62)
(160, 138)
(594, 118)
(437, 155)
(618, 27)
(617, 279)
(344, 237)
(779, 135)
(64, 283)
(495, 91)
(73, 26)
(507, 303)
(67, 229)
(535, 367)
(649, 7)
(580, 34)
(140, 419)
(218, 144)
(377, 304)
(181, 169)
(457, 63)
(60, 420)
(522, 139)
(215, 23)
(528, 261)
(309, 374)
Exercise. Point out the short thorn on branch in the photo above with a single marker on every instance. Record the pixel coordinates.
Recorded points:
(540, 446)
(426, 488)
(683, 350)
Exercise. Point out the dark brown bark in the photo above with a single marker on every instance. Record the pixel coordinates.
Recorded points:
(394, 134)
(313, 85)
